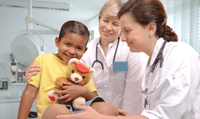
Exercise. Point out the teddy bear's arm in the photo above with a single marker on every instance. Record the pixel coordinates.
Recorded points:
(59, 82)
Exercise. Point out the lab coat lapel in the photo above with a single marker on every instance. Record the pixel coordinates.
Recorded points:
(156, 50)
(111, 52)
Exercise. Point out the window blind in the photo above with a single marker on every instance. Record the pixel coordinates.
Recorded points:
(184, 18)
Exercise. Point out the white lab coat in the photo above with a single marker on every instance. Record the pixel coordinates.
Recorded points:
(177, 95)
(121, 88)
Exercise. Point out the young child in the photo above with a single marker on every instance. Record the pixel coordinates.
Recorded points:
(71, 43)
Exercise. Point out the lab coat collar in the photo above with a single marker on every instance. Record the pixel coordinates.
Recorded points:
(110, 44)
(97, 41)
(157, 47)
(114, 44)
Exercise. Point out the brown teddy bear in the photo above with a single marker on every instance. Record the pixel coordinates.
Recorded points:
(78, 73)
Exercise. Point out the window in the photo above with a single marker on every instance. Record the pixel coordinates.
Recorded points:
(184, 18)
(199, 33)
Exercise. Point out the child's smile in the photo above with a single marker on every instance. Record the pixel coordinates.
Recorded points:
(71, 46)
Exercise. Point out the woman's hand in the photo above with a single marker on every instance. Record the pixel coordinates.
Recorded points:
(89, 113)
(123, 112)
(70, 91)
(32, 70)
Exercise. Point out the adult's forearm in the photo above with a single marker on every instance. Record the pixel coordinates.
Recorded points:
(124, 117)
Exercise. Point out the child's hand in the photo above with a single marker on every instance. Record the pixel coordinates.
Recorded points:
(70, 91)
(123, 112)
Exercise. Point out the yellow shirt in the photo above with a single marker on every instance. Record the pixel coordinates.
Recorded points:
(51, 68)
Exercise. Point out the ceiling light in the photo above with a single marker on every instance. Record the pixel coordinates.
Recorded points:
(36, 4)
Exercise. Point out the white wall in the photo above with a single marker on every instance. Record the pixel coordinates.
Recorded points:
(93, 24)
(12, 21)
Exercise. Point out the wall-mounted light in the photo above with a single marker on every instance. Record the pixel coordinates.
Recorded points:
(29, 44)
(26, 47)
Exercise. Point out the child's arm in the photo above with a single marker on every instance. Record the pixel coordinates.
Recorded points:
(71, 91)
(88, 94)
(27, 99)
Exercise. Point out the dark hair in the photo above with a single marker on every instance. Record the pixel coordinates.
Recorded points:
(146, 11)
(74, 27)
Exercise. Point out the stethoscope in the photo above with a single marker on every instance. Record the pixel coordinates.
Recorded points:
(102, 66)
(160, 58)
(98, 61)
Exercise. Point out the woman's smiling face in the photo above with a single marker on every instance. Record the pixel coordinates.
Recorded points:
(109, 28)
(133, 33)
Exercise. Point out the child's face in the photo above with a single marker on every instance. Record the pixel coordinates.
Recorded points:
(71, 46)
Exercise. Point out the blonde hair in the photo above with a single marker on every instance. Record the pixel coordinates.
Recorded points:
(111, 8)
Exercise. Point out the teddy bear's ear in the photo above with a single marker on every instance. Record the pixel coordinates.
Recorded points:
(92, 71)
(73, 60)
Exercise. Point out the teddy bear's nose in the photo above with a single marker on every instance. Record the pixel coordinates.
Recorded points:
(76, 79)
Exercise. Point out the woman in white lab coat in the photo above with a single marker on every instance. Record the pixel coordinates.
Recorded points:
(116, 87)
(122, 88)
(172, 78)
